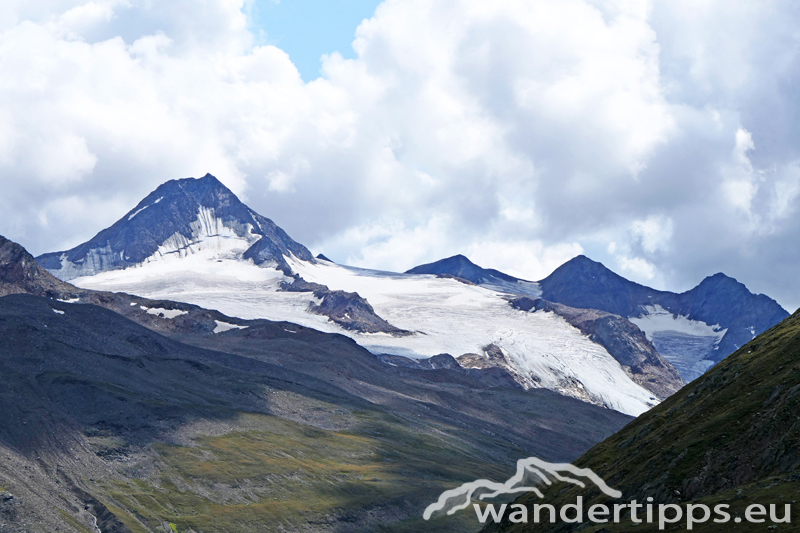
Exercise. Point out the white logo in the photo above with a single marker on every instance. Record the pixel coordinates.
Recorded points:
(532, 468)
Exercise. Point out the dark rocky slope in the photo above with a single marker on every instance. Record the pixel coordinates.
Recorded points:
(21, 274)
(462, 269)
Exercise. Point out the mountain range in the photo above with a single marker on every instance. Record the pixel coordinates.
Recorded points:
(719, 309)
(193, 240)
(121, 413)
(192, 367)
(206, 260)
(692, 330)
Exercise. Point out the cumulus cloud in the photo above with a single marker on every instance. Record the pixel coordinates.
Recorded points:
(658, 137)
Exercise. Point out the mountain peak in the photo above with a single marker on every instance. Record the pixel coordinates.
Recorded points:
(721, 279)
(584, 265)
(179, 218)
(587, 284)
(207, 184)
(461, 267)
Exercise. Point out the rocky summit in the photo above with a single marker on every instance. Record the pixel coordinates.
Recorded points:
(181, 217)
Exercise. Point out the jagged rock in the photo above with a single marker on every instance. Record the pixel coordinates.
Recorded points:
(298, 284)
(352, 312)
(21, 274)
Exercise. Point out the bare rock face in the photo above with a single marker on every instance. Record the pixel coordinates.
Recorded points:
(301, 285)
(21, 274)
(621, 338)
(493, 362)
(490, 375)
(352, 312)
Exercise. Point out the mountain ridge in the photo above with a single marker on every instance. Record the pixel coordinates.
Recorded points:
(717, 300)
(195, 244)
(461, 267)
(694, 329)
(20, 273)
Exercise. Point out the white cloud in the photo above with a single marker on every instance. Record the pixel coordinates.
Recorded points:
(531, 260)
(740, 187)
(636, 268)
(653, 233)
(519, 132)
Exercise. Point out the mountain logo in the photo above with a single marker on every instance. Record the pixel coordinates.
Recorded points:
(531, 471)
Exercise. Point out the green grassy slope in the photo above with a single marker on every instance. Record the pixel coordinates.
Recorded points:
(281, 475)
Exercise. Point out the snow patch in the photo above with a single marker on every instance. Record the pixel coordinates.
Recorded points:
(657, 319)
(164, 313)
(211, 238)
(137, 212)
(224, 326)
(58, 312)
(70, 301)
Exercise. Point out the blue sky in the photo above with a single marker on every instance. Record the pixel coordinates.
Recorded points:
(307, 29)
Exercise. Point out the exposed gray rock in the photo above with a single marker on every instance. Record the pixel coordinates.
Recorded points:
(352, 312)
(21, 274)
(493, 362)
(347, 309)
(298, 284)
(490, 375)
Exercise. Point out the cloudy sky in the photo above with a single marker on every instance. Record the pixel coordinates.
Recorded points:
(659, 137)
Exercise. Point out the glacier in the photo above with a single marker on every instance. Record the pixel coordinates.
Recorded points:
(446, 316)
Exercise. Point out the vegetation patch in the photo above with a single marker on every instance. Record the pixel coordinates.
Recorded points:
(286, 475)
